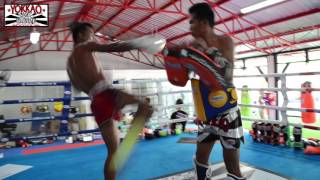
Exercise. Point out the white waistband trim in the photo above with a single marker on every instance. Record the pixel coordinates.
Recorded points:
(99, 87)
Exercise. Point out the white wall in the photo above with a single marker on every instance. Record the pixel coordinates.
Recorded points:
(61, 75)
(25, 62)
(55, 60)
(35, 76)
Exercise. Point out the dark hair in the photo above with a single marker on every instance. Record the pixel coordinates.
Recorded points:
(79, 27)
(179, 101)
(202, 12)
(148, 100)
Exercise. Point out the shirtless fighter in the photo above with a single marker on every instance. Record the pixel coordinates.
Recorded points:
(230, 136)
(86, 74)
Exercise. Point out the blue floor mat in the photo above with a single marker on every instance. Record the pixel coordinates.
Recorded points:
(158, 157)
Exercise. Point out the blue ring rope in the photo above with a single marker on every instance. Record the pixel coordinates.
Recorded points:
(21, 101)
(61, 118)
(50, 135)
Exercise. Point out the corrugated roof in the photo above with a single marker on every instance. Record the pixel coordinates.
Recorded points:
(157, 21)
(271, 28)
(309, 20)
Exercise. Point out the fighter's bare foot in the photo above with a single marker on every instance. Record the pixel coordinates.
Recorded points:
(144, 110)
(124, 99)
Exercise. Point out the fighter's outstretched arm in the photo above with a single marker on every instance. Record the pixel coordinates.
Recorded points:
(150, 43)
(111, 47)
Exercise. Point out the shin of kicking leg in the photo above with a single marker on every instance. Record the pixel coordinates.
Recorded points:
(123, 99)
(111, 138)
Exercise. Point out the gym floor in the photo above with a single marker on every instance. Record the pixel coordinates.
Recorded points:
(153, 158)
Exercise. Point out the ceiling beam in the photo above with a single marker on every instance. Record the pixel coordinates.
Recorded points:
(185, 17)
(286, 33)
(82, 13)
(84, 10)
(113, 16)
(279, 46)
(280, 20)
(145, 18)
(261, 25)
(57, 16)
(109, 3)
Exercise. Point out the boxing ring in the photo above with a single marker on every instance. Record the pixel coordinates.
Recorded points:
(65, 112)
(162, 108)
(282, 119)
(283, 90)
(160, 117)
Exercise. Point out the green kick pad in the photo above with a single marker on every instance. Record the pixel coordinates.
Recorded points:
(245, 99)
(220, 173)
(188, 140)
(296, 144)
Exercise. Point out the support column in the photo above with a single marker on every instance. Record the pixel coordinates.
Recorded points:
(272, 82)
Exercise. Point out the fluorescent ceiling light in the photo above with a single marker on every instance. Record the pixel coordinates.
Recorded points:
(161, 41)
(34, 37)
(259, 6)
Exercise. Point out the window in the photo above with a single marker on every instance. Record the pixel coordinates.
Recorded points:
(314, 54)
(291, 57)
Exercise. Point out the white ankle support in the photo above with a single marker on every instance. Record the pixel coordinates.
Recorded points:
(234, 177)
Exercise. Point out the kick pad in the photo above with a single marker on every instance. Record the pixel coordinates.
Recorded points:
(220, 173)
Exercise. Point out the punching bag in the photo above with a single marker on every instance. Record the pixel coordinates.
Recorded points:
(307, 102)
(245, 99)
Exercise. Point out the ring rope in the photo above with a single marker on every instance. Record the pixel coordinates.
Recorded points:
(61, 118)
(51, 135)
